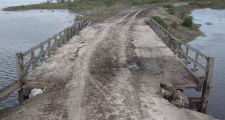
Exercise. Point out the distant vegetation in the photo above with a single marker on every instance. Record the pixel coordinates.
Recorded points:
(94, 9)
(100, 9)
(38, 6)
(208, 3)
(89, 4)
(79, 5)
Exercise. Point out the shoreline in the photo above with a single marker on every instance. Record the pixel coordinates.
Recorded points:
(184, 33)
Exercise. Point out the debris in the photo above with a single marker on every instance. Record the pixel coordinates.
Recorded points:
(174, 96)
(35, 91)
(133, 67)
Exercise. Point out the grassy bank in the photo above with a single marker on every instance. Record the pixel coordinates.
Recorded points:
(98, 10)
(82, 4)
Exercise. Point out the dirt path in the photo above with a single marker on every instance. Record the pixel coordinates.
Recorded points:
(111, 71)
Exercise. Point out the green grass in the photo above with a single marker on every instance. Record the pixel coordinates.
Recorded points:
(171, 10)
(160, 21)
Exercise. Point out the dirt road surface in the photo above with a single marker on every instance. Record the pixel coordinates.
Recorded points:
(110, 71)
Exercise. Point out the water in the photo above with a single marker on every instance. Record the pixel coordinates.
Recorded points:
(213, 44)
(21, 30)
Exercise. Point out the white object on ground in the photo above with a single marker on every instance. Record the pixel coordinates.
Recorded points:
(35, 92)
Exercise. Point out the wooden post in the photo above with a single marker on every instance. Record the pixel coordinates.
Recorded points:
(58, 41)
(186, 59)
(55, 43)
(179, 50)
(67, 34)
(49, 48)
(20, 74)
(207, 84)
(71, 32)
(171, 43)
(19, 66)
(42, 57)
(33, 59)
(195, 63)
(64, 36)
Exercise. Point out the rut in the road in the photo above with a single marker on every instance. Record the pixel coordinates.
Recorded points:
(112, 93)
(103, 67)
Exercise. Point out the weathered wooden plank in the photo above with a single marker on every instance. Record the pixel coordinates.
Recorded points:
(42, 57)
(199, 81)
(193, 61)
(196, 60)
(195, 50)
(9, 89)
(203, 83)
(207, 84)
(19, 66)
(49, 49)
(52, 43)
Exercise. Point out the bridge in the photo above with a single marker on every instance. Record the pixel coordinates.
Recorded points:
(110, 69)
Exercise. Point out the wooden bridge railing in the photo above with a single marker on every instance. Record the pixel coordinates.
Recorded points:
(199, 64)
(30, 59)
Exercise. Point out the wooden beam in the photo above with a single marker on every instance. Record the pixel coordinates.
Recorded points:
(9, 89)
(207, 84)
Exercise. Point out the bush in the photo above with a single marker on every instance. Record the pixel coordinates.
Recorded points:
(174, 25)
(136, 2)
(160, 21)
(168, 6)
(171, 10)
(188, 21)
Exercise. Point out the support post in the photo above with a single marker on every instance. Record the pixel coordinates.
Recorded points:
(185, 58)
(195, 64)
(42, 57)
(67, 34)
(20, 74)
(207, 84)
(33, 59)
(49, 48)
(19, 66)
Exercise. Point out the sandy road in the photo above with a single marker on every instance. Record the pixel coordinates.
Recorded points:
(111, 71)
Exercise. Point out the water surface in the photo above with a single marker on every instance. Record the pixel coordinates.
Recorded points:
(21, 30)
(213, 44)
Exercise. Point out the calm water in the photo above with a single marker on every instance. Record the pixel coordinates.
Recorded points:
(213, 44)
(21, 30)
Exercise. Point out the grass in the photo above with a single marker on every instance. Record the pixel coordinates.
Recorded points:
(188, 21)
(174, 25)
(170, 9)
(160, 21)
